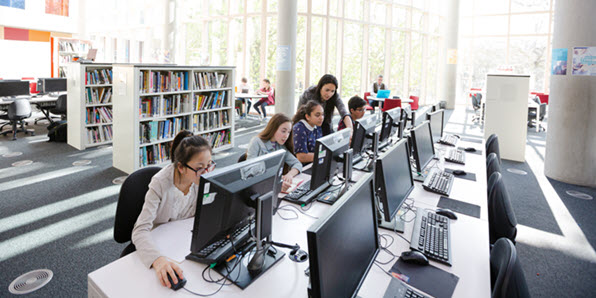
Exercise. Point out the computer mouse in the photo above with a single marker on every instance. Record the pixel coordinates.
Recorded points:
(179, 285)
(414, 257)
(470, 149)
(459, 172)
(447, 213)
(298, 255)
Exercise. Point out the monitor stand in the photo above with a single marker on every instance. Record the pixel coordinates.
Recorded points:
(396, 224)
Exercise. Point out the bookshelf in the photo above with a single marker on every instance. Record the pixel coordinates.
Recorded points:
(152, 103)
(63, 52)
(89, 105)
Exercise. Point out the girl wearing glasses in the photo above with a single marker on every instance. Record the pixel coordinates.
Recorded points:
(172, 195)
(277, 135)
(307, 129)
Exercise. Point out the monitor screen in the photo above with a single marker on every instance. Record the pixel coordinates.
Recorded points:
(393, 179)
(363, 127)
(422, 141)
(52, 84)
(328, 151)
(228, 196)
(436, 124)
(14, 88)
(390, 124)
(344, 244)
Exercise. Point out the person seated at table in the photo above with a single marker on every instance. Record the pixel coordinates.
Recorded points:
(357, 107)
(325, 94)
(277, 135)
(244, 88)
(376, 86)
(307, 129)
(172, 195)
(263, 102)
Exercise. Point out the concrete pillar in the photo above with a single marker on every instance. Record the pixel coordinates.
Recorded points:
(450, 69)
(571, 136)
(286, 58)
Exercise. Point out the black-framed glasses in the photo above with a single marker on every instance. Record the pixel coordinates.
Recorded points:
(200, 171)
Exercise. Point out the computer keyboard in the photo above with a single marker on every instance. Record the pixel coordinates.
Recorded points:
(431, 236)
(302, 190)
(448, 139)
(222, 248)
(456, 156)
(438, 181)
(400, 289)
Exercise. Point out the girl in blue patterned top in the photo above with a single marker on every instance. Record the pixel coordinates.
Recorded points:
(307, 129)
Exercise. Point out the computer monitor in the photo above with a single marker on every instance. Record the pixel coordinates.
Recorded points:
(390, 125)
(393, 183)
(344, 244)
(422, 142)
(47, 85)
(436, 123)
(363, 127)
(13, 88)
(328, 152)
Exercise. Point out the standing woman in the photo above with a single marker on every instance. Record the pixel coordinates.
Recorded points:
(172, 195)
(325, 93)
(277, 135)
(263, 102)
(307, 129)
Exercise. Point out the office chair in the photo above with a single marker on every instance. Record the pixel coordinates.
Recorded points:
(476, 104)
(130, 204)
(506, 274)
(414, 104)
(492, 145)
(17, 112)
(60, 108)
(532, 116)
(411, 116)
(501, 219)
(492, 165)
(391, 103)
(368, 106)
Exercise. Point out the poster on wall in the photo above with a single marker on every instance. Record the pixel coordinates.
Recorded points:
(584, 61)
(559, 62)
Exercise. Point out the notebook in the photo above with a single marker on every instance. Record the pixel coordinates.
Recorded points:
(383, 93)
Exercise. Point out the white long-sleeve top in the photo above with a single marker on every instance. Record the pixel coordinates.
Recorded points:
(164, 202)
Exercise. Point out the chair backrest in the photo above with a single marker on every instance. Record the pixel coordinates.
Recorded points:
(476, 101)
(414, 104)
(366, 95)
(242, 157)
(501, 219)
(542, 111)
(492, 165)
(60, 105)
(492, 145)
(391, 103)
(543, 98)
(507, 276)
(19, 109)
(130, 202)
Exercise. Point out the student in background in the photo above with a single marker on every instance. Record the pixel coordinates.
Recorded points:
(172, 195)
(244, 88)
(356, 105)
(376, 86)
(277, 135)
(307, 129)
(263, 102)
(325, 93)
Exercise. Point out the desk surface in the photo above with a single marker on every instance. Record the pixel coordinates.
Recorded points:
(470, 252)
(249, 95)
(403, 100)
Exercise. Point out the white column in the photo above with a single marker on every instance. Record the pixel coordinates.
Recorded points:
(286, 58)
(450, 69)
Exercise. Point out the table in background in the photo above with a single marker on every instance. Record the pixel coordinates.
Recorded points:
(249, 96)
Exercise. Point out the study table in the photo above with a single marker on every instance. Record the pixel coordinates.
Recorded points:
(249, 96)
(42, 103)
(127, 277)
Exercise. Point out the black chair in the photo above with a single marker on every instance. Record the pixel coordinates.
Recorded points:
(506, 274)
(492, 145)
(130, 204)
(492, 165)
(501, 219)
(17, 112)
(60, 108)
(541, 114)
(476, 104)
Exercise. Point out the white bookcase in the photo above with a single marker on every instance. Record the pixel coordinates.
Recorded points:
(152, 103)
(89, 105)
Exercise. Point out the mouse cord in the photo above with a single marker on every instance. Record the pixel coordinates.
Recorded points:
(285, 207)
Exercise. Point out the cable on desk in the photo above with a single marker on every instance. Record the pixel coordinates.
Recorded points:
(297, 209)
(282, 208)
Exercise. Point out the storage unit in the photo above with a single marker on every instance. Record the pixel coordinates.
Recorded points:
(63, 52)
(152, 103)
(89, 105)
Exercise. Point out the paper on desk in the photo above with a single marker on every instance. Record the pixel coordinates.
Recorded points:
(174, 238)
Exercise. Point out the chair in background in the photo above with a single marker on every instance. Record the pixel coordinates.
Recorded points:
(501, 219)
(506, 274)
(492, 165)
(476, 104)
(130, 204)
(60, 108)
(414, 104)
(492, 145)
(368, 106)
(543, 97)
(411, 116)
(391, 103)
(541, 114)
(17, 112)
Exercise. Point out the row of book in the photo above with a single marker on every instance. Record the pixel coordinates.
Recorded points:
(152, 131)
(211, 120)
(99, 115)
(149, 106)
(154, 154)
(98, 76)
(99, 95)
(218, 139)
(72, 46)
(211, 100)
(99, 134)
(210, 80)
(164, 81)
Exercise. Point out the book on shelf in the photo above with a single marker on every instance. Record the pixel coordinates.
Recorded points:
(210, 80)
(149, 106)
(163, 81)
(99, 95)
(211, 100)
(99, 115)
(98, 76)
(154, 154)
(99, 134)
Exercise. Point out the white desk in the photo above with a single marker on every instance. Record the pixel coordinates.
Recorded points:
(127, 277)
(249, 96)
(403, 100)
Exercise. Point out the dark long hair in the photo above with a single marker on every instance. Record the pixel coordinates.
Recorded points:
(326, 79)
(304, 110)
(187, 146)
(274, 123)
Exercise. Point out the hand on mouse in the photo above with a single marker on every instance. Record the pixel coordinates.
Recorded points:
(287, 182)
(162, 267)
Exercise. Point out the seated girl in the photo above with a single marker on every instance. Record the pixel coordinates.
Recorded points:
(307, 129)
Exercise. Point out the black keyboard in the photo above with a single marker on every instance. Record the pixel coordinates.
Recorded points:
(438, 182)
(431, 236)
(303, 194)
(456, 156)
(448, 139)
(302, 190)
(400, 289)
(220, 249)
